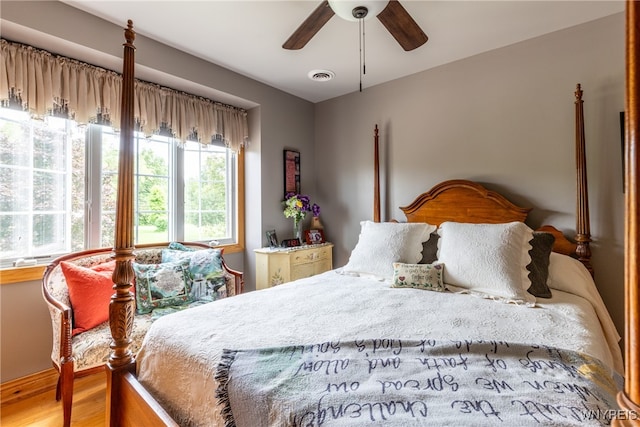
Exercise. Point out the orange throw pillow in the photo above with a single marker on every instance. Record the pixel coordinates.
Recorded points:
(105, 267)
(90, 292)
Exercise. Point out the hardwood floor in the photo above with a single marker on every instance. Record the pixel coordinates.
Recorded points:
(42, 410)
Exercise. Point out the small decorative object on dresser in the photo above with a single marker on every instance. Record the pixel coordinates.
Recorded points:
(272, 240)
(315, 221)
(316, 224)
(291, 243)
(277, 266)
(313, 237)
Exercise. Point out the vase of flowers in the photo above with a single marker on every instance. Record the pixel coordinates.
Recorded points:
(296, 206)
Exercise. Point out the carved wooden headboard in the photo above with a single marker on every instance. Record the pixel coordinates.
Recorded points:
(463, 201)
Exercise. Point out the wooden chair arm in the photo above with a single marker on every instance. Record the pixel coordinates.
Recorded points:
(238, 277)
(64, 314)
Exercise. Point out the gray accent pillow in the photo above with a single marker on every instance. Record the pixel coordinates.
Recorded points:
(541, 246)
(430, 249)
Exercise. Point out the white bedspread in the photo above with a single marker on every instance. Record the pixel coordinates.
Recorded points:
(180, 354)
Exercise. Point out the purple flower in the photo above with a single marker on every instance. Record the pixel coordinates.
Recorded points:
(316, 210)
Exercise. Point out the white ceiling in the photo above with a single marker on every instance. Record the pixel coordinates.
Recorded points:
(246, 36)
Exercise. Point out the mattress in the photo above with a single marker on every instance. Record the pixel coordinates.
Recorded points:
(180, 354)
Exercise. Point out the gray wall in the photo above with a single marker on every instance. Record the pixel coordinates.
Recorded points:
(504, 118)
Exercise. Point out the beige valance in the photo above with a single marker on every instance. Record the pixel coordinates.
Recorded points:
(44, 84)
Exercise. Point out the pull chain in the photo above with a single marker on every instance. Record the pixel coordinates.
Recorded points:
(363, 65)
(360, 51)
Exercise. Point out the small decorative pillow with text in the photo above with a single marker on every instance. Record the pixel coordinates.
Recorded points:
(418, 276)
(90, 291)
(205, 266)
(161, 285)
(488, 259)
(380, 244)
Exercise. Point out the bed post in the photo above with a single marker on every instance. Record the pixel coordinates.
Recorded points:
(629, 399)
(583, 233)
(376, 176)
(122, 306)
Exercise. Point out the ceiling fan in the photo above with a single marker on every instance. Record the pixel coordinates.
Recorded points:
(391, 13)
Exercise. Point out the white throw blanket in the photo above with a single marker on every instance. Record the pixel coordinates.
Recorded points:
(178, 359)
(389, 382)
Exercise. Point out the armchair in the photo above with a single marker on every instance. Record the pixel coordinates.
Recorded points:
(87, 352)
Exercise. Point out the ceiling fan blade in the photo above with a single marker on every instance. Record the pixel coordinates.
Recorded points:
(309, 27)
(402, 27)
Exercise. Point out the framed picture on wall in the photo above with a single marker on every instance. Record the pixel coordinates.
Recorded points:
(291, 172)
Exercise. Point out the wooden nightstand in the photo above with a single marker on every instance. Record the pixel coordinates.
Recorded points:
(281, 265)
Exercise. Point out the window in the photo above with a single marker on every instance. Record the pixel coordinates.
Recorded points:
(58, 185)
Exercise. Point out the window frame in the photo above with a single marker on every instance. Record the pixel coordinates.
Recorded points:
(93, 187)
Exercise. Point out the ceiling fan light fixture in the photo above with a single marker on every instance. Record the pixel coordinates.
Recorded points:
(321, 75)
(346, 9)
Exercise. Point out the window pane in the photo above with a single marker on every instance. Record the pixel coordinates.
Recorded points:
(48, 191)
(153, 201)
(152, 189)
(49, 233)
(109, 192)
(206, 192)
(49, 145)
(110, 143)
(108, 228)
(149, 233)
(78, 187)
(14, 241)
(110, 151)
(14, 133)
(14, 198)
(42, 186)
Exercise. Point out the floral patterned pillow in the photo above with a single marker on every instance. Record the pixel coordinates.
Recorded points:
(180, 247)
(205, 267)
(419, 276)
(162, 285)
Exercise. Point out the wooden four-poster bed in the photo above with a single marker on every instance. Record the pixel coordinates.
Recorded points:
(457, 207)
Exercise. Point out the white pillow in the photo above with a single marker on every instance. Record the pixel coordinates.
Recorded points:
(488, 259)
(570, 275)
(380, 244)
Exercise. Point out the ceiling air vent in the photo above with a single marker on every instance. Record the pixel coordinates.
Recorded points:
(321, 75)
